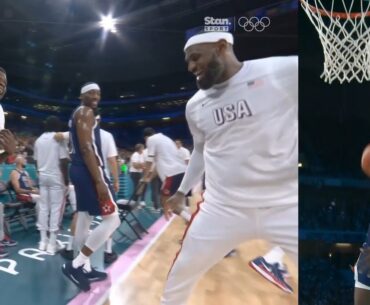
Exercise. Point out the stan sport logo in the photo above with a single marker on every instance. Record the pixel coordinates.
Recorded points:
(248, 24)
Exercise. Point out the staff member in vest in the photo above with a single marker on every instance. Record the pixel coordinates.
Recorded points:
(52, 160)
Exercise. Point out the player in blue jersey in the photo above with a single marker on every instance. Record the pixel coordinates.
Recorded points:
(362, 274)
(94, 194)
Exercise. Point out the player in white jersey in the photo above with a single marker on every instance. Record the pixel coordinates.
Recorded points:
(52, 160)
(248, 107)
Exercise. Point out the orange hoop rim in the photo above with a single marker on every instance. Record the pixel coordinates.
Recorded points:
(340, 15)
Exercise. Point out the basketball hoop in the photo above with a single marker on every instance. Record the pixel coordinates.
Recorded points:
(345, 37)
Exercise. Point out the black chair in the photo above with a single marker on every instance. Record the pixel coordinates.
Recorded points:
(126, 215)
(16, 210)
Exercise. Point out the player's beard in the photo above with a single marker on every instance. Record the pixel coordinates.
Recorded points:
(212, 74)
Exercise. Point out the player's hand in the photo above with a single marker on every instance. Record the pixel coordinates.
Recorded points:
(363, 264)
(7, 141)
(145, 179)
(175, 204)
(59, 137)
(35, 191)
(102, 190)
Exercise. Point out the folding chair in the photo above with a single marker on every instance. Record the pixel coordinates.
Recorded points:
(22, 210)
(126, 210)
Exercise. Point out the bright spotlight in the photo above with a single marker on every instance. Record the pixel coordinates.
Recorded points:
(108, 23)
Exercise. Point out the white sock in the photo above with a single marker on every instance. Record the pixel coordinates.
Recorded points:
(275, 255)
(44, 236)
(108, 245)
(79, 260)
(70, 243)
(53, 238)
(87, 265)
(186, 215)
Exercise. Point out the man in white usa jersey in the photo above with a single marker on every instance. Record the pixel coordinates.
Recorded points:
(249, 107)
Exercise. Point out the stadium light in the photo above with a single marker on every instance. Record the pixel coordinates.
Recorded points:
(108, 23)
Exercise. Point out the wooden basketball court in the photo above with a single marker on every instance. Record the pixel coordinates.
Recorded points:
(231, 282)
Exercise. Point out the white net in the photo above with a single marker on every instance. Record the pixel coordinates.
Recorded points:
(345, 37)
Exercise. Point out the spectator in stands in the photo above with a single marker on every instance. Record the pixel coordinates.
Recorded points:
(183, 152)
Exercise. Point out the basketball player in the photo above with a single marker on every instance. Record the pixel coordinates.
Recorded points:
(109, 152)
(52, 160)
(93, 190)
(362, 275)
(362, 268)
(248, 107)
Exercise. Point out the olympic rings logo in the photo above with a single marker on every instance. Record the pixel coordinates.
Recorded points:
(254, 23)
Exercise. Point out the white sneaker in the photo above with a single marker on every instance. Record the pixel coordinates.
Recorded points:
(142, 203)
(43, 245)
(51, 249)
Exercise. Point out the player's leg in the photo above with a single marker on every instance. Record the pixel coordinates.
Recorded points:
(3, 253)
(81, 233)
(210, 236)
(72, 201)
(280, 227)
(43, 212)
(135, 177)
(74, 270)
(155, 186)
(57, 194)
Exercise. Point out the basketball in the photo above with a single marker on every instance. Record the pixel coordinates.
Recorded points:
(365, 161)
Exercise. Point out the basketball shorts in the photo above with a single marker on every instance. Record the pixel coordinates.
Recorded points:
(86, 195)
(171, 185)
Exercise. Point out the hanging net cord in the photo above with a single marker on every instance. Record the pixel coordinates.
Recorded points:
(345, 39)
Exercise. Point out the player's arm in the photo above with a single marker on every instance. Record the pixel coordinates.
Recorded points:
(85, 120)
(64, 162)
(363, 264)
(61, 136)
(194, 170)
(113, 167)
(112, 161)
(7, 141)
